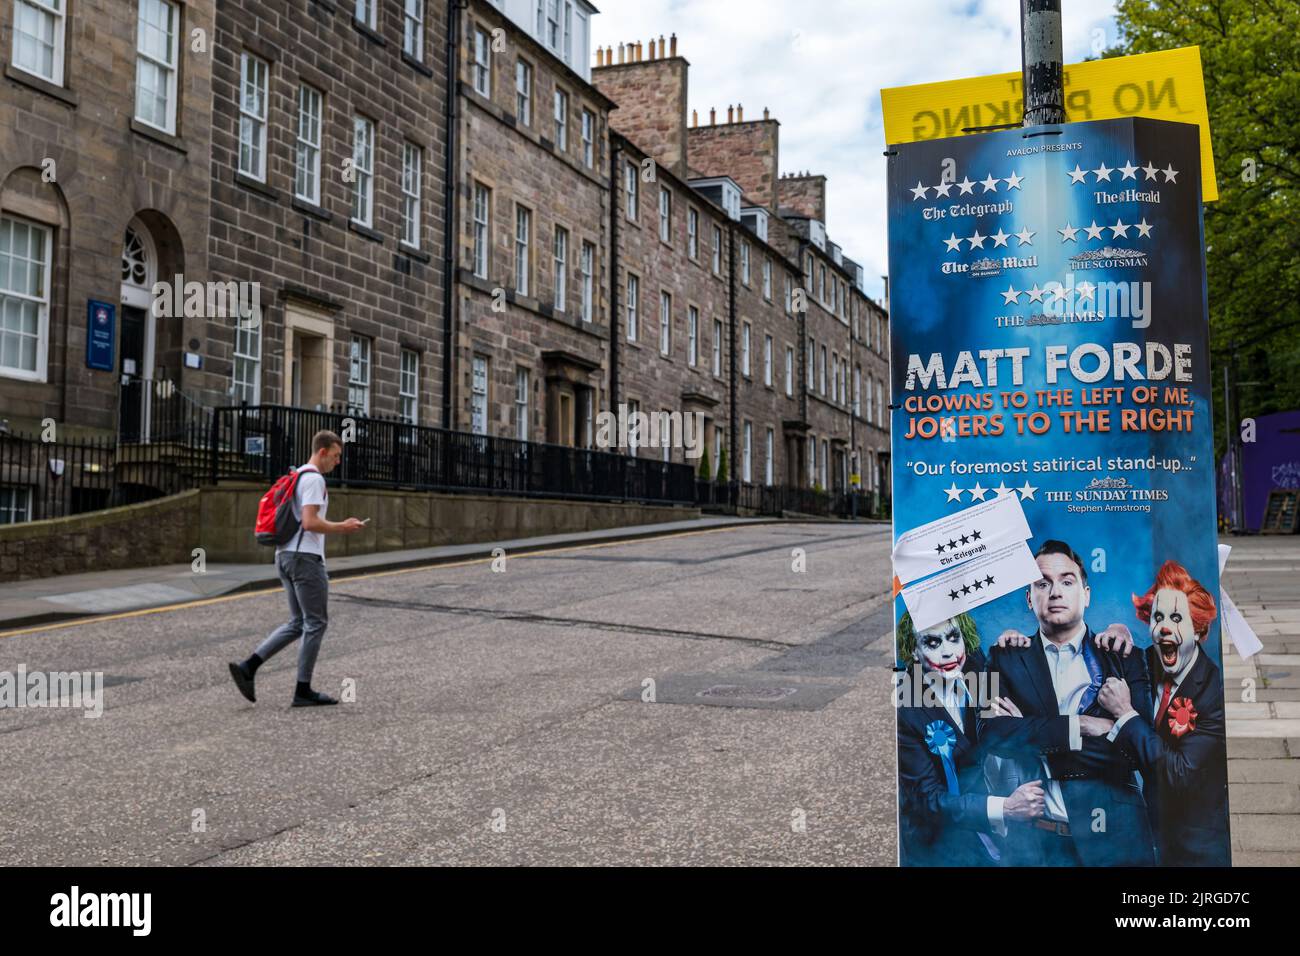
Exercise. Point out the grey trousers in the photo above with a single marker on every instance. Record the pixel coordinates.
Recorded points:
(307, 587)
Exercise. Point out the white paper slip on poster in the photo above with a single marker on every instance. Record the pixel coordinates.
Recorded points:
(971, 584)
(960, 536)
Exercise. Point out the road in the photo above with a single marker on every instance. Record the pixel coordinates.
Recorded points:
(500, 717)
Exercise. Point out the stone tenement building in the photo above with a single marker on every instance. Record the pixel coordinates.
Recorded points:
(328, 174)
(609, 255)
(507, 242)
(105, 146)
(532, 327)
(753, 316)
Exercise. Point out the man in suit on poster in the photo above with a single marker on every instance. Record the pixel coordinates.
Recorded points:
(1049, 717)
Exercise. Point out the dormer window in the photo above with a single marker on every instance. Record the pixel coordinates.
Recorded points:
(755, 217)
(721, 190)
(817, 233)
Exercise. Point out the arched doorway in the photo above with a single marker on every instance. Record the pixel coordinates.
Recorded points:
(139, 333)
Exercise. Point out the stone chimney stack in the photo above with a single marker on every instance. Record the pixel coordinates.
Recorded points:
(803, 195)
(747, 152)
(651, 95)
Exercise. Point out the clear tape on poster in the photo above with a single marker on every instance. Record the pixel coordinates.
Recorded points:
(971, 584)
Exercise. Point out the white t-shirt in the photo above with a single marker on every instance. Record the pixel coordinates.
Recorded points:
(310, 491)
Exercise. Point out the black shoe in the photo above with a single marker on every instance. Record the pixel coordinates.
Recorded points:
(312, 699)
(244, 681)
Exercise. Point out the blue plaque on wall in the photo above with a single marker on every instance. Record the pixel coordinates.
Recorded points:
(101, 322)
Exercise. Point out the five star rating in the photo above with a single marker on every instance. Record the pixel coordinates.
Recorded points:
(1103, 173)
(978, 492)
(966, 187)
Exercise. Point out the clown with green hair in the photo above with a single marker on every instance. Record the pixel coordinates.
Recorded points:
(907, 649)
(947, 816)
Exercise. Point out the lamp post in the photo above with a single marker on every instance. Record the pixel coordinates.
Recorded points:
(1042, 67)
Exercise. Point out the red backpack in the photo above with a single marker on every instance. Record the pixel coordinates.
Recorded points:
(276, 524)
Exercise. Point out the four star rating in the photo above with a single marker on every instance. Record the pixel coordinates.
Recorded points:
(1118, 231)
(974, 585)
(961, 541)
(1053, 290)
(1025, 237)
(978, 492)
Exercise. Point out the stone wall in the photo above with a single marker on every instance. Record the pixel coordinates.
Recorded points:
(220, 521)
(156, 532)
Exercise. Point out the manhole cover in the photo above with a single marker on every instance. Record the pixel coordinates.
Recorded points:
(736, 692)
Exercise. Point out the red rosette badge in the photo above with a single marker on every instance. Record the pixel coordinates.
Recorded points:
(1181, 716)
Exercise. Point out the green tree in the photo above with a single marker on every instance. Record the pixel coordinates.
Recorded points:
(705, 473)
(1250, 51)
(722, 466)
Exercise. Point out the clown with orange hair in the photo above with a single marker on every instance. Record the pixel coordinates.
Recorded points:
(1177, 738)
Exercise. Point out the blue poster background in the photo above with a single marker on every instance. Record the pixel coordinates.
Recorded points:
(1082, 236)
(936, 312)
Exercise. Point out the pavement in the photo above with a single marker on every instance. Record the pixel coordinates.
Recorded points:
(72, 596)
(1262, 577)
(684, 699)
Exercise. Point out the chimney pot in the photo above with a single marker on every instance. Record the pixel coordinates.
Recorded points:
(640, 53)
(766, 114)
(600, 56)
(731, 113)
(661, 46)
(620, 53)
(713, 116)
(740, 113)
(673, 45)
(695, 117)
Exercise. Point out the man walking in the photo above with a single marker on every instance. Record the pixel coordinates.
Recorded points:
(301, 564)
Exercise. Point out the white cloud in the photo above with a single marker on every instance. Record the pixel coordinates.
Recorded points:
(819, 66)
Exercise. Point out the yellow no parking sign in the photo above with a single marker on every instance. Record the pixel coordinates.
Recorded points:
(1168, 85)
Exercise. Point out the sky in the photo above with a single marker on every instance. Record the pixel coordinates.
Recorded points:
(819, 66)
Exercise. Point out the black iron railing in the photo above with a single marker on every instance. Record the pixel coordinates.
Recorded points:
(54, 479)
(265, 441)
(157, 412)
(779, 499)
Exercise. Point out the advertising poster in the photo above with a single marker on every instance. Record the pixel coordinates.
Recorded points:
(1054, 501)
